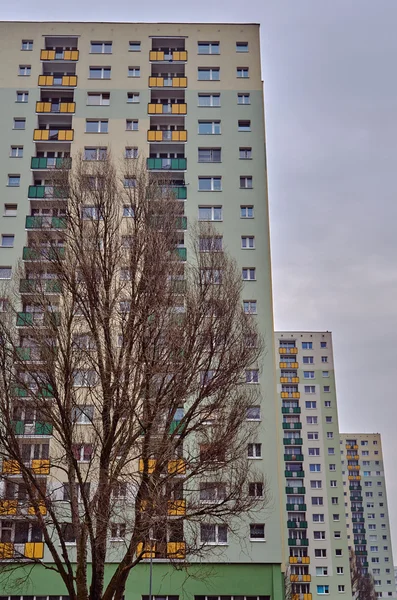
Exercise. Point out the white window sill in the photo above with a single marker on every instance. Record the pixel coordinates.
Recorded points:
(254, 457)
(117, 539)
(215, 543)
(257, 540)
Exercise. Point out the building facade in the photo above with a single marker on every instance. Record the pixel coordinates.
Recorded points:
(314, 495)
(188, 98)
(366, 508)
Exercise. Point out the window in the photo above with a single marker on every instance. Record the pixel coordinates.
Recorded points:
(119, 489)
(98, 99)
(213, 534)
(134, 46)
(317, 501)
(249, 274)
(96, 126)
(246, 183)
(99, 73)
(331, 451)
(131, 125)
(333, 483)
(208, 47)
(318, 518)
(95, 153)
(320, 553)
(310, 404)
(131, 152)
(316, 484)
(249, 307)
(241, 46)
(101, 48)
(16, 152)
(209, 155)
(323, 344)
(339, 570)
(85, 378)
(310, 389)
(330, 435)
(82, 414)
(68, 533)
(337, 535)
(325, 373)
(117, 531)
(210, 184)
(244, 125)
(324, 359)
(308, 360)
(254, 413)
(246, 212)
(212, 491)
(134, 71)
(7, 241)
(10, 210)
(335, 517)
(365, 452)
(248, 242)
(133, 97)
(314, 451)
(327, 389)
(321, 571)
(210, 244)
(129, 182)
(210, 213)
(323, 589)
(338, 552)
(243, 72)
(82, 452)
(14, 180)
(209, 127)
(19, 123)
(319, 535)
(311, 420)
(314, 468)
(252, 376)
(245, 153)
(22, 96)
(308, 374)
(208, 74)
(27, 45)
(312, 435)
(254, 450)
(255, 489)
(334, 501)
(209, 100)
(257, 531)
(243, 99)
(328, 419)
(364, 443)
(24, 70)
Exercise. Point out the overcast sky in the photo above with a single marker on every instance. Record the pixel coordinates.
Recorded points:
(331, 110)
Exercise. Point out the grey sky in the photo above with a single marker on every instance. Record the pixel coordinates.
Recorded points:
(331, 103)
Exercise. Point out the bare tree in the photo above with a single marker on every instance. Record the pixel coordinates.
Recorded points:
(363, 586)
(134, 366)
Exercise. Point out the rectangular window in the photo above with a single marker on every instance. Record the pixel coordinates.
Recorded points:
(241, 46)
(10, 210)
(208, 48)
(117, 531)
(209, 100)
(129, 182)
(22, 97)
(83, 415)
(321, 571)
(14, 180)
(210, 184)
(248, 242)
(244, 125)
(209, 127)
(19, 123)
(95, 153)
(322, 589)
(308, 360)
(308, 374)
(133, 97)
(320, 553)
(243, 99)
(312, 435)
(331, 451)
(314, 451)
(212, 491)
(339, 570)
(85, 378)
(16, 152)
(252, 376)
(245, 153)
(82, 452)
(128, 211)
(324, 359)
(213, 534)
(246, 183)
(257, 531)
(101, 48)
(98, 99)
(210, 244)
(255, 489)
(310, 404)
(314, 468)
(243, 72)
(323, 344)
(134, 71)
(327, 389)
(7, 241)
(134, 46)
(131, 152)
(319, 535)
(318, 518)
(307, 345)
(208, 73)
(254, 413)
(27, 45)
(99, 73)
(310, 389)
(254, 450)
(246, 212)
(96, 126)
(311, 420)
(131, 125)
(209, 155)
(24, 70)
(249, 274)
(249, 307)
(316, 484)
(325, 373)
(210, 213)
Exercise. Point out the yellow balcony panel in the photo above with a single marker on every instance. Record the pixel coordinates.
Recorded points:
(41, 466)
(177, 467)
(154, 136)
(43, 107)
(295, 379)
(296, 394)
(179, 136)
(65, 135)
(41, 134)
(156, 55)
(69, 80)
(147, 550)
(282, 350)
(6, 550)
(283, 379)
(46, 80)
(179, 55)
(294, 365)
(67, 107)
(155, 108)
(8, 507)
(42, 509)
(302, 560)
(34, 549)
(284, 394)
(11, 467)
(176, 550)
(179, 82)
(151, 465)
(156, 81)
(179, 109)
(283, 365)
(71, 55)
(47, 55)
(176, 508)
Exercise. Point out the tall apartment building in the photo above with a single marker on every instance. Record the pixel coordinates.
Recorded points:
(189, 98)
(317, 546)
(366, 508)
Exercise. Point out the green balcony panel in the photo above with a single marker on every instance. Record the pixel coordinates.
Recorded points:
(41, 222)
(180, 192)
(297, 524)
(301, 507)
(293, 441)
(41, 428)
(294, 457)
(47, 286)
(18, 427)
(167, 164)
(20, 392)
(179, 287)
(47, 392)
(46, 253)
(292, 542)
(181, 253)
(175, 426)
(288, 411)
(24, 319)
(295, 490)
(36, 191)
(23, 353)
(181, 223)
(292, 425)
(294, 473)
(42, 162)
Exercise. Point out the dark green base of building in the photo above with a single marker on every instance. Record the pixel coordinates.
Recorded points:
(204, 580)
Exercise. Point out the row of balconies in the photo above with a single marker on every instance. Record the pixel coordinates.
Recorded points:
(154, 55)
(56, 55)
(57, 80)
(175, 550)
(55, 108)
(39, 466)
(33, 550)
(15, 507)
(167, 109)
(67, 135)
(288, 350)
(69, 81)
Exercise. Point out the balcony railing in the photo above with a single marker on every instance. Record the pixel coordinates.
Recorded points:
(299, 560)
(25, 319)
(166, 109)
(294, 473)
(289, 411)
(173, 82)
(166, 164)
(168, 55)
(292, 425)
(25, 392)
(179, 192)
(155, 135)
(61, 107)
(290, 395)
(32, 428)
(181, 254)
(39, 466)
(301, 597)
(14, 507)
(297, 507)
(176, 508)
(304, 542)
(293, 441)
(56, 55)
(293, 457)
(291, 365)
(175, 550)
(174, 467)
(297, 524)
(44, 222)
(43, 163)
(300, 578)
(291, 350)
(295, 490)
(42, 254)
(289, 379)
(53, 135)
(37, 286)
(55, 81)
(32, 550)
(47, 191)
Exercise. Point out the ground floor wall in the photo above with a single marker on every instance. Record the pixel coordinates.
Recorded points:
(202, 580)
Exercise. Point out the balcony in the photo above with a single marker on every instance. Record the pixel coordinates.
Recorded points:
(295, 490)
(39, 466)
(22, 392)
(297, 524)
(292, 425)
(301, 597)
(174, 467)
(354, 477)
(351, 447)
(289, 365)
(290, 395)
(43, 254)
(32, 550)
(167, 82)
(359, 530)
(300, 578)
(156, 135)
(299, 560)
(44, 222)
(289, 379)
(56, 55)
(44, 286)
(53, 135)
(156, 108)
(304, 542)
(167, 56)
(42, 163)
(361, 552)
(288, 350)
(181, 254)
(297, 507)
(294, 473)
(49, 108)
(29, 428)
(177, 508)
(296, 410)
(41, 192)
(294, 457)
(53, 81)
(166, 164)
(293, 441)
(26, 319)
(174, 550)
